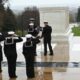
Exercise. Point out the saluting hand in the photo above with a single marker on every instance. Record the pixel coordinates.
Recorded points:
(15, 35)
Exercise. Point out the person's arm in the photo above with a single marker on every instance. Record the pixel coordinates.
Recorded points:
(50, 29)
(18, 40)
(2, 38)
(40, 28)
(43, 33)
(36, 32)
(23, 49)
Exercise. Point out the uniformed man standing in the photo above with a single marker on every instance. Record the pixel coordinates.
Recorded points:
(46, 34)
(28, 52)
(33, 30)
(1, 57)
(10, 52)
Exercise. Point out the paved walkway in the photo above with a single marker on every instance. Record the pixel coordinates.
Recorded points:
(64, 52)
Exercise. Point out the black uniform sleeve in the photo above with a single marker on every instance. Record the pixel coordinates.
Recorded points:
(50, 29)
(43, 32)
(2, 38)
(18, 40)
(23, 49)
(40, 28)
(36, 32)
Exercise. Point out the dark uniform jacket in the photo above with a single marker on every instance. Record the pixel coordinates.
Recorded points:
(29, 54)
(1, 39)
(28, 51)
(10, 49)
(34, 32)
(46, 34)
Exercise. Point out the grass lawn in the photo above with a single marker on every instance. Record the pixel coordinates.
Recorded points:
(76, 31)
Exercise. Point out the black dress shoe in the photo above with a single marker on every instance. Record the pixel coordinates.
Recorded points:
(51, 54)
(12, 77)
(30, 77)
(0, 71)
(45, 54)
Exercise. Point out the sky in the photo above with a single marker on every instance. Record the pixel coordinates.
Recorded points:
(21, 4)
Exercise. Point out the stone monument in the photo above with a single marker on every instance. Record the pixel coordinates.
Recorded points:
(58, 18)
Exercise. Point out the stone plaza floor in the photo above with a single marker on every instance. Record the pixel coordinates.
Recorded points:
(70, 74)
(64, 52)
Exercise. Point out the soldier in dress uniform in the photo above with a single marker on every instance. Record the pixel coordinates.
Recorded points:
(1, 57)
(34, 31)
(28, 52)
(10, 52)
(46, 34)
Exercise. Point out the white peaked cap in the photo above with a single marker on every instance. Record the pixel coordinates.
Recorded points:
(28, 36)
(31, 24)
(0, 33)
(11, 32)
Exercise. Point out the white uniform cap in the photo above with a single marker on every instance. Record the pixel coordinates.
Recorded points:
(0, 33)
(11, 32)
(31, 24)
(28, 36)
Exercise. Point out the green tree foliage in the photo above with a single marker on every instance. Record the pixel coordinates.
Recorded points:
(24, 19)
(19, 21)
(30, 12)
(78, 15)
(2, 13)
(3, 1)
(9, 21)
